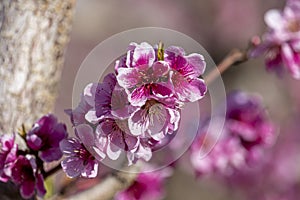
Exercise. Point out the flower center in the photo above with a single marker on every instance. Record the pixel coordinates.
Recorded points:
(120, 125)
(149, 103)
(118, 101)
(156, 111)
(160, 51)
(84, 154)
(273, 53)
(147, 76)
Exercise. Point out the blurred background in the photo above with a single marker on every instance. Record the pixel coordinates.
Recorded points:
(217, 25)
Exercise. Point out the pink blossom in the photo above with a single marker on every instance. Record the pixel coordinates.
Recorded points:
(45, 136)
(111, 99)
(147, 186)
(246, 134)
(107, 100)
(116, 137)
(154, 120)
(227, 156)
(281, 43)
(185, 73)
(103, 96)
(8, 155)
(142, 152)
(78, 160)
(144, 76)
(26, 175)
(82, 153)
(145, 81)
(77, 115)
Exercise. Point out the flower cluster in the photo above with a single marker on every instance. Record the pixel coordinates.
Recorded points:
(281, 43)
(246, 134)
(25, 167)
(147, 186)
(136, 107)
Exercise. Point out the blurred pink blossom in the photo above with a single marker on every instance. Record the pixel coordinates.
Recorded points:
(247, 132)
(281, 42)
(147, 186)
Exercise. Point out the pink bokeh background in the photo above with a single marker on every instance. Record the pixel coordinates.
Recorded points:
(217, 25)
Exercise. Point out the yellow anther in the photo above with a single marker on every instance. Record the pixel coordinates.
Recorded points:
(160, 51)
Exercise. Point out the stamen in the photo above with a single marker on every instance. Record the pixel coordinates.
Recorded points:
(160, 51)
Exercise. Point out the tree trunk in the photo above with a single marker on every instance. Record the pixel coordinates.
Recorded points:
(33, 38)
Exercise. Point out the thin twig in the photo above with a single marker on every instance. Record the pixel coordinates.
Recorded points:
(236, 56)
(52, 171)
(107, 189)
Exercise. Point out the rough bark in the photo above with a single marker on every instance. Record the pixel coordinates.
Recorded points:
(33, 37)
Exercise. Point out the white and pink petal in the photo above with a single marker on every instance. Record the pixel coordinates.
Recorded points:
(143, 54)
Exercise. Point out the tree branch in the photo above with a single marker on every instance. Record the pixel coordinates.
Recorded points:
(235, 56)
(52, 171)
(107, 189)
